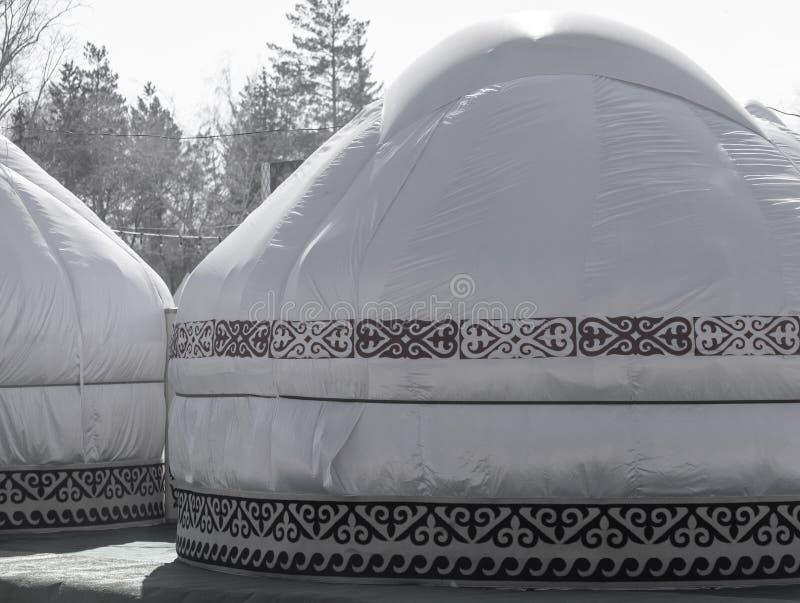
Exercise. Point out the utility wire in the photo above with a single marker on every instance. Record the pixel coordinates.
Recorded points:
(784, 112)
(172, 228)
(183, 237)
(165, 137)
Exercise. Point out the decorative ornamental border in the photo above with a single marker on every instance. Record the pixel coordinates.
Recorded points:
(590, 336)
(485, 542)
(88, 496)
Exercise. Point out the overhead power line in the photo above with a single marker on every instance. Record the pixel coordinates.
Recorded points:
(784, 112)
(172, 228)
(166, 137)
(160, 235)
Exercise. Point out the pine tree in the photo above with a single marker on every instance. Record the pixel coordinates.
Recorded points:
(85, 102)
(260, 108)
(321, 82)
(153, 163)
(328, 62)
(153, 167)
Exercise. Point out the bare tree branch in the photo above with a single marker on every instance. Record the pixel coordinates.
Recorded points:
(24, 26)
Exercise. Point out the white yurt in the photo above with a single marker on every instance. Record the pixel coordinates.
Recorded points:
(82, 412)
(531, 321)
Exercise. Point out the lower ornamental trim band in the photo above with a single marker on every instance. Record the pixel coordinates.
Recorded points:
(518, 543)
(85, 496)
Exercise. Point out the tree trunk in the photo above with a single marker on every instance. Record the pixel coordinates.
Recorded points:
(333, 70)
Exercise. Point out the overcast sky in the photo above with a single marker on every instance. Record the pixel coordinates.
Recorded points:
(751, 48)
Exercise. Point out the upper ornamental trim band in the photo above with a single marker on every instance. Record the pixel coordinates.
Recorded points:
(590, 336)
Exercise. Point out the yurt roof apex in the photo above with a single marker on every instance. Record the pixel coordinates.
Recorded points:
(547, 43)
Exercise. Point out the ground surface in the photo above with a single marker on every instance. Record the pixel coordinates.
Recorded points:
(140, 564)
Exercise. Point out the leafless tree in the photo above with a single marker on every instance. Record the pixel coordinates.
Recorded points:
(28, 36)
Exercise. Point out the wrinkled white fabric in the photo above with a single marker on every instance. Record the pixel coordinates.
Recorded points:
(42, 425)
(82, 326)
(484, 451)
(574, 192)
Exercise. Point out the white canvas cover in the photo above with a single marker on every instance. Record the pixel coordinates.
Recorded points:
(179, 290)
(81, 365)
(556, 266)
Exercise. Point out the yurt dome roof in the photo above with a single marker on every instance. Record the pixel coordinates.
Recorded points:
(548, 43)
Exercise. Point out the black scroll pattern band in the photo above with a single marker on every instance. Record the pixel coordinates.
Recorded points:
(486, 542)
(591, 336)
(80, 497)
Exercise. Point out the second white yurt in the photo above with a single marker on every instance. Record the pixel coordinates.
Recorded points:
(532, 320)
(82, 409)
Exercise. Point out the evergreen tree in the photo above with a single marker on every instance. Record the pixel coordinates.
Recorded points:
(197, 208)
(266, 104)
(153, 167)
(258, 109)
(153, 163)
(320, 82)
(328, 64)
(83, 103)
